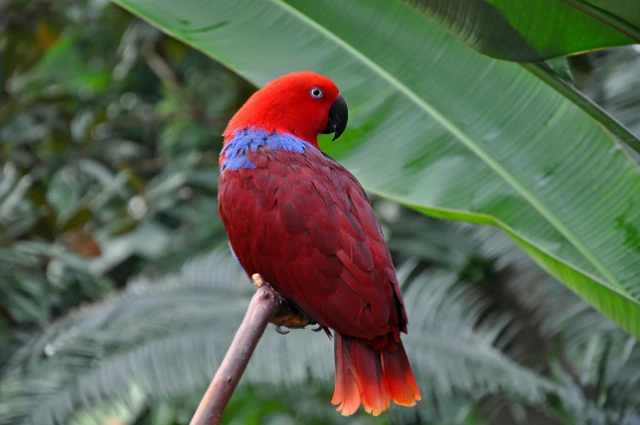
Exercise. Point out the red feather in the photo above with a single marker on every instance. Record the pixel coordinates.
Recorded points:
(305, 224)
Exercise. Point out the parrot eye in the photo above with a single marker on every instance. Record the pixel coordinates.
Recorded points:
(316, 93)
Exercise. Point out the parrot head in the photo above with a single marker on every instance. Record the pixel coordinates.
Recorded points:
(303, 104)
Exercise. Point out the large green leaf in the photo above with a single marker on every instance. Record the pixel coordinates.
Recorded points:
(530, 30)
(445, 130)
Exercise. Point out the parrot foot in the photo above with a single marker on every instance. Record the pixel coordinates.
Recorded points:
(318, 329)
(287, 314)
(281, 331)
(257, 280)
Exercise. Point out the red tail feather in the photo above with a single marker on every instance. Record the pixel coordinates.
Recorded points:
(373, 377)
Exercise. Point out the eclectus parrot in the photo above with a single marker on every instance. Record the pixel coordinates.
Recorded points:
(304, 223)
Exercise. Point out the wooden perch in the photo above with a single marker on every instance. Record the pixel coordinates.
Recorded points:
(265, 306)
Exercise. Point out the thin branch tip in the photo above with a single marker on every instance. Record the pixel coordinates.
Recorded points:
(266, 305)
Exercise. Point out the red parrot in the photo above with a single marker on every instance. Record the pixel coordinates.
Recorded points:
(304, 223)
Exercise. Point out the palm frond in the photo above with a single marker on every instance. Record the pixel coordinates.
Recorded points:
(600, 359)
(553, 307)
(166, 338)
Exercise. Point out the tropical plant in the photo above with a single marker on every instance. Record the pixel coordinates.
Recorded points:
(569, 204)
(468, 348)
(105, 170)
(536, 29)
(116, 305)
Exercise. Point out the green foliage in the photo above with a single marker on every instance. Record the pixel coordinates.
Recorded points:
(533, 30)
(509, 151)
(82, 173)
(167, 357)
(612, 81)
(465, 346)
(116, 305)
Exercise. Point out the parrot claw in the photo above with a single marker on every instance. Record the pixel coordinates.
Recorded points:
(281, 331)
(318, 329)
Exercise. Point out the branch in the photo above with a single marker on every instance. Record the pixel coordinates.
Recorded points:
(265, 306)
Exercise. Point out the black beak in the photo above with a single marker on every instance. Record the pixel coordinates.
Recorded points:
(338, 116)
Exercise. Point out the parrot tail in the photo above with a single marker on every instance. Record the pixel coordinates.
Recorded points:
(373, 377)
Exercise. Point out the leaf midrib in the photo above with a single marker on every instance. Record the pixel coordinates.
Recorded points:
(461, 136)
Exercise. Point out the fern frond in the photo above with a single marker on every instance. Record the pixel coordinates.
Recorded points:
(166, 338)
(600, 359)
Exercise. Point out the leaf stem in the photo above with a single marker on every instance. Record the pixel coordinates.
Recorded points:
(608, 18)
(546, 74)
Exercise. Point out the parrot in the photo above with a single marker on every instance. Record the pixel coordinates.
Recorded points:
(305, 224)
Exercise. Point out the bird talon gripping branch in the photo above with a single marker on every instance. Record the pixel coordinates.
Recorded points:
(281, 331)
(304, 222)
(257, 280)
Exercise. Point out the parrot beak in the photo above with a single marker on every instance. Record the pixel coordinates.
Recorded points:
(338, 116)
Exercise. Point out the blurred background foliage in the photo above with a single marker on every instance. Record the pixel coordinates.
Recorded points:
(117, 296)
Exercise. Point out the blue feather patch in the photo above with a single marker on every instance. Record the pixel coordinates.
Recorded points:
(236, 149)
